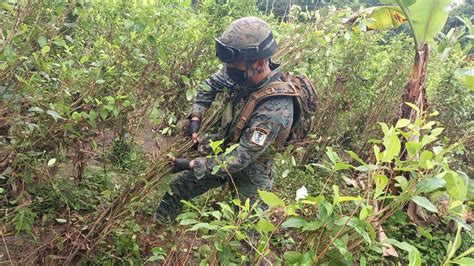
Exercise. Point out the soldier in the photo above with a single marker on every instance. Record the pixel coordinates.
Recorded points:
(245, 48)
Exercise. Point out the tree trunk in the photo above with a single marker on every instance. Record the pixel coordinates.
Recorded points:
(415, 93)
(415, 88)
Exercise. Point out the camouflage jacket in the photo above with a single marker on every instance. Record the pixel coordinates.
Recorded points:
(270, 118)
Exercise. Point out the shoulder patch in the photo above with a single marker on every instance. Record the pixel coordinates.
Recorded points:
(259, 136)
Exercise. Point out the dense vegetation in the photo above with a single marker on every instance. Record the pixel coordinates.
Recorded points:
(92, 95)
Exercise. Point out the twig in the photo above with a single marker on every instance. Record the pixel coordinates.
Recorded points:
(6, 248)
(337, 234)
(268, 242)
(190, 247)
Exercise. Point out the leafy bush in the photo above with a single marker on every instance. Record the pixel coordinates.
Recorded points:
(75, 73)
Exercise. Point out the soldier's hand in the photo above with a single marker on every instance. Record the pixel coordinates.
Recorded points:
(181, 164)
(194, 125)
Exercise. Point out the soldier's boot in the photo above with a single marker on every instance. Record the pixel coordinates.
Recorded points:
(169, 209)
(184, 186)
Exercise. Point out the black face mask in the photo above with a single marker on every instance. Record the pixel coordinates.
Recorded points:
(237, 75)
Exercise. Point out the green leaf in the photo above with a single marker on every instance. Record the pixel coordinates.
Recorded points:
(453, 246)
(425, 203)
(45, 50)
(428, 125)
(464, 261)
(36, 109)
(215, 146)
(206, 87)
(313, 225)
(404, 2)
(465, 253)
(358, 225)
(428, 184)
(470, 185)
(215, 169)
(392, 145)
(381, 182)
(437, 131)
(455, 186)
(189, 94)
(292, 257)
(189, 204)
(354, 156)
(413, 148)
(467, 74)
(408, 2)
(428, 18)
(425, 160)
(188, 222)
(60, 42)
(377, 153)
(216, 214)
(414, 257)
(218, 246)
(384, 127)
(313, 200)
(156, 257)
(158, 251)
(332, 155)
(100, 81)
(365, 212)
(92, 116)
(54, 115)
(230, 149)
(42, 41)
(427, 139)
(384, 17)
(271, 199)
(402, 123)
(341, 166)
(368, 167)
(51, 162)
(200, 226)
(265, 226)
(294, 223)
(103, 113)
(342, 247)
(336, 195)
(349, 198)
(412, 106)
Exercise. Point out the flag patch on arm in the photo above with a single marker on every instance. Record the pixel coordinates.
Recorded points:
(259, 136)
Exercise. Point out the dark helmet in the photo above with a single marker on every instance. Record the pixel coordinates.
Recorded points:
(246, 39)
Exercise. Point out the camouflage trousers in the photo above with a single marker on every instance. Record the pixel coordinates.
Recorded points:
(185, 186)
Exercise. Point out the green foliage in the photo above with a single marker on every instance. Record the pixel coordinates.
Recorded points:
(126, 241)
(126, 155)
(331, 224)
(24, 221)
(158, 254)
(425, 17)
(72, 74)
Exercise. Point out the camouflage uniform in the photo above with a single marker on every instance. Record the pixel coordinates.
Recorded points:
(251, 163)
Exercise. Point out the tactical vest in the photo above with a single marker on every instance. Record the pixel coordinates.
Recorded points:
(304, 97)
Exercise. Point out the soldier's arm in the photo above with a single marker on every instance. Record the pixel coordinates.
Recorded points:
(268, 119)
(206, 92)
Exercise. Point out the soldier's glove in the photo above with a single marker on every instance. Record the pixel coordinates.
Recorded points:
(193, 127)
(180, 164)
